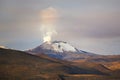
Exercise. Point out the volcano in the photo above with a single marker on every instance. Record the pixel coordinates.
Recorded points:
(61, 50)
(70, 64)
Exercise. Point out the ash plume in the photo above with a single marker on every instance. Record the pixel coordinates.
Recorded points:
(48, 23)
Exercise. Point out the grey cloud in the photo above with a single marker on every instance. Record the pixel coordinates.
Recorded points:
(96, 25)
(79, 22)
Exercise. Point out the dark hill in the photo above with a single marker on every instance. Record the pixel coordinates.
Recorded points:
(18, 65)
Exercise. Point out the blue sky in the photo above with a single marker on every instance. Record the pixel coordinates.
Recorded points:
(90, 25)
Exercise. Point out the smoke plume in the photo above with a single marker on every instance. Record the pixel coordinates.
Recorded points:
(48, 23)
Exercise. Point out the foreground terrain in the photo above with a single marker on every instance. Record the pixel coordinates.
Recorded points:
(18, 65)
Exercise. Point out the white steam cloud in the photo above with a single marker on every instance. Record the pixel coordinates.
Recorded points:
(48, 23)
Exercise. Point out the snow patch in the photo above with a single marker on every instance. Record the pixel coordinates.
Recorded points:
(58, 46)
(63, 46)
(2, 47)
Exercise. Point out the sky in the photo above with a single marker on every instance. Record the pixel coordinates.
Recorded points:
(89, 25)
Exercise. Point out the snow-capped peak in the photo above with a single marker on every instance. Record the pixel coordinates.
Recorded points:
(60, 50)
(2, 47)
(58, 46)
(61, 46)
